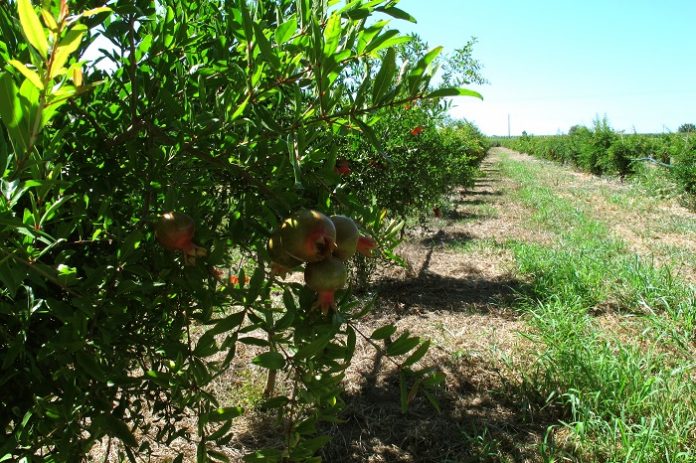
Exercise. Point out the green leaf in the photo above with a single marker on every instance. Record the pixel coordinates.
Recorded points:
(32, 76)
(425, 61)
(228, 323)
(66, 47)
(10, 109)
(270, 360)
(285, 31)
(397, 13)
(369, 133)
(383, 332)
(265, 47)
(218, 456)
(32, 27)
(417, 354)
(95, 11)
(453, 91)
(313, 347)
(389, 39)
(384, 77)
(332, 35)
(264, 456)
(274, 402)
(402, 345)
(225, 413)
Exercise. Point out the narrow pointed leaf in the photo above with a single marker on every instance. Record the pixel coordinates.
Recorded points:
(454, 91)
(95, 11)
(285, 31)
(49, 20)
(384, 77)
(32, 76)
(397, 13)
(67, 46)
(270, 360)
(10, 109)
(32, 27)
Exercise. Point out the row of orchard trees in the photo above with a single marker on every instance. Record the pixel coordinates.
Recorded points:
(237, 114)
(602, 150)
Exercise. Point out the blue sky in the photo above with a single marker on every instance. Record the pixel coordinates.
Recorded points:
(555, 64)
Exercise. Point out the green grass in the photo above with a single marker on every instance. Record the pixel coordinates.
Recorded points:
(622, 398)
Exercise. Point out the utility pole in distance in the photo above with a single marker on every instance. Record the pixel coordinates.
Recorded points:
(509, 126)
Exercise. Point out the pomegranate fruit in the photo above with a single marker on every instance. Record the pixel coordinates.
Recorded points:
(347, 235)
(175, 231)
(308, 235)
(366, 245)
(342, 167)
(281, 261)
(417, 131)
(326, 277)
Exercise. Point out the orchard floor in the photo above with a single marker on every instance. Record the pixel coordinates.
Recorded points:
(462, 290)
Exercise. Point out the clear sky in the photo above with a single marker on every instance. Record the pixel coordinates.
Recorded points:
(553, 64)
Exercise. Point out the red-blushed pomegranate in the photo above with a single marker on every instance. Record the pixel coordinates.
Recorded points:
(281, 261)
(342, 167)
(175, 231)
(308, 235)
(417, 131)
(326, 277)
(366, 246)
(347, 235)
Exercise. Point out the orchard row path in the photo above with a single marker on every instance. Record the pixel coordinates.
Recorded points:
(459, 291)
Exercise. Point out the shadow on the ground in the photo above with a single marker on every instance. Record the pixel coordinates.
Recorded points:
(484, 193)
(468, 291)
(462, 216)
(475, 422)
(482, 417)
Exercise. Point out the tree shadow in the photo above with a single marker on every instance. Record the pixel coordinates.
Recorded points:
(460, 216)
(472, 202)
(484, 193)
(468, 291)
(479, 420)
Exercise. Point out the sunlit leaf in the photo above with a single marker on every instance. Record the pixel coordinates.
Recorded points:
(32, 76)
(31, 26)
(453, 91)
(68, 44)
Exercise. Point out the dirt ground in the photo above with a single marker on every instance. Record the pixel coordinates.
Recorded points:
(460, 299)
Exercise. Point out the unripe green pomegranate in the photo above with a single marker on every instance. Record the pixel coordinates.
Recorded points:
(281, 261)
(326, 277)
(347, 235)
(308, 235)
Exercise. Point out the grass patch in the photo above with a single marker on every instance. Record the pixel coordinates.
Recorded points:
(624, 398)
